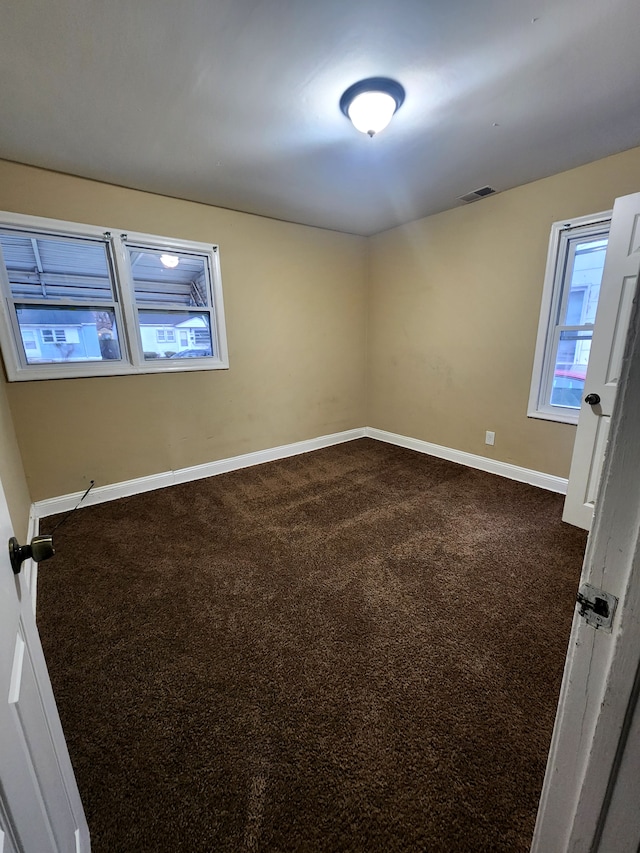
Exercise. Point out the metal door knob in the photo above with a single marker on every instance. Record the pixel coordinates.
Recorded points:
(41, 548)
(592, 399)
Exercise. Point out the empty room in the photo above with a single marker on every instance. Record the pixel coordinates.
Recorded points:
(318, 426)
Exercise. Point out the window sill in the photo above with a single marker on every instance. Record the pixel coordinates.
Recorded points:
(66, 372)
(558, 417)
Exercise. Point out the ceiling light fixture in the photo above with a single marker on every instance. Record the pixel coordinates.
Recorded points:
(170, 261)
(371, 103)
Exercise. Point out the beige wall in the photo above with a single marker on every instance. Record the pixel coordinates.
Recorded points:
(453, 316)
(447, 329)
(11, 469)
(295, 301)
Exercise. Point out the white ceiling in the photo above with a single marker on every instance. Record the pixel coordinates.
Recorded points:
(235, 102)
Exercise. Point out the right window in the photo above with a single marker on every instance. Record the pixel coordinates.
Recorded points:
(575, 263)
(172, 296)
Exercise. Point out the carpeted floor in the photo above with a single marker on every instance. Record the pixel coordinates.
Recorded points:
(358, 649)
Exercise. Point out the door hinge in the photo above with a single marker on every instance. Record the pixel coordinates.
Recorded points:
(596, 606)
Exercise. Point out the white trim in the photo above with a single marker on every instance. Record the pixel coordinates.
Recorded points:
(552, 416)
(482, 463)
(536, 408)
(111, 492)
(127, 488)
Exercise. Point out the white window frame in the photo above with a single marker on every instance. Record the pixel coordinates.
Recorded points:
(553, 292)
(132, 359)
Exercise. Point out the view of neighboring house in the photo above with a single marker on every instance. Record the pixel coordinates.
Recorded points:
(77, 335)
(169, 335)
(54, 334)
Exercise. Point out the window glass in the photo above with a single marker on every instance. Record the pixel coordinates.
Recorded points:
(175, 334)
(570, 368)
(583, 279)
(585, 276)
(56, 269)
(167, 277)
(70, 334)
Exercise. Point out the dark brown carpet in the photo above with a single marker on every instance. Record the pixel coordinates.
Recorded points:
(359, 649)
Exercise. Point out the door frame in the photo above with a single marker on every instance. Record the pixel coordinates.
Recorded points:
(602, 670)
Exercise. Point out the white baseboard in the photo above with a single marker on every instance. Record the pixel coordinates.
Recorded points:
(482, 463)
(101, 494)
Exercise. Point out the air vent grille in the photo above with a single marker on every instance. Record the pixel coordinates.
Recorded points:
(476, 194)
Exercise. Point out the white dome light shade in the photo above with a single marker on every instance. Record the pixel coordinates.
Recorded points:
(169, 261)
(370, 104)
(371, 112)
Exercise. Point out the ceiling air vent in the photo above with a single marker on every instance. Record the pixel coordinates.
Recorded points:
(476, 194)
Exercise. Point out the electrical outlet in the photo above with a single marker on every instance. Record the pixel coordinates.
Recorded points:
(489, 437)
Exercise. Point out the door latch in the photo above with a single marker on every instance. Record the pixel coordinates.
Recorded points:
(596, 606)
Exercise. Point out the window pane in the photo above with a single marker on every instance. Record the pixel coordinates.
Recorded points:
(177, 334)
(570, 368)
(584, 282)
(56, 268)
(168, 277)
(60, 335)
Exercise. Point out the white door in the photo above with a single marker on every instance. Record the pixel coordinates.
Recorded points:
(619, 277)
(589, 801)
(40, 809)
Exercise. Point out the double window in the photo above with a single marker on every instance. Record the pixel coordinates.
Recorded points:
(85, 301)
(575, 264)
